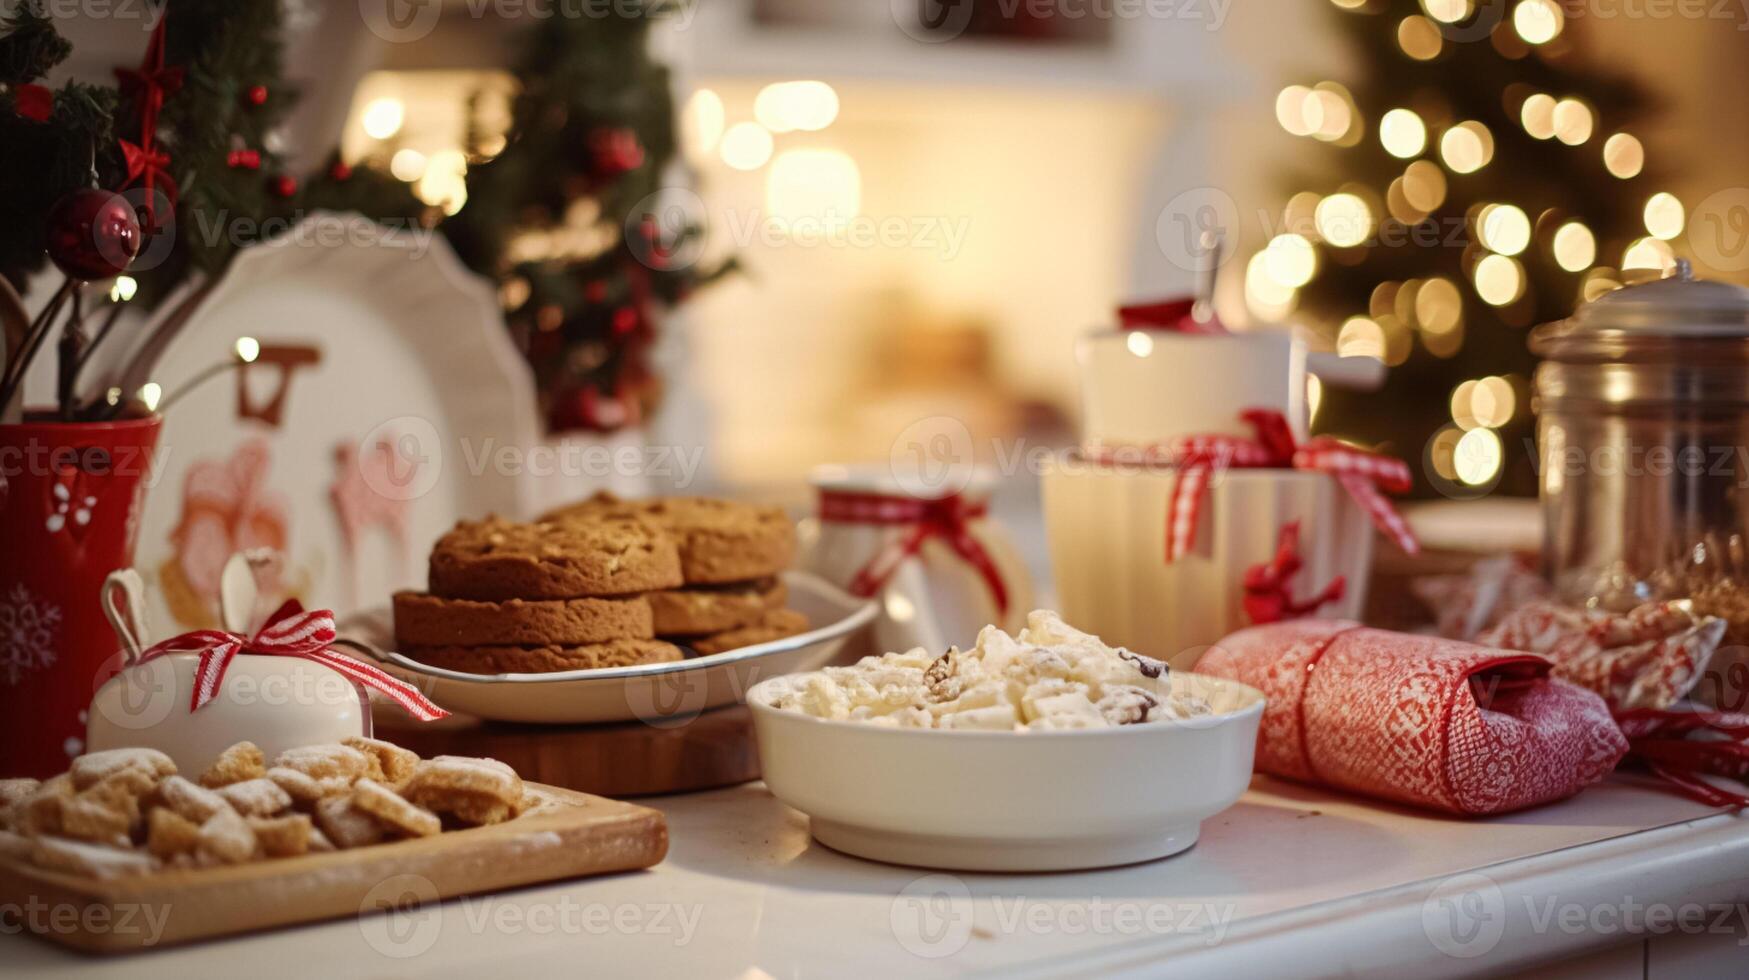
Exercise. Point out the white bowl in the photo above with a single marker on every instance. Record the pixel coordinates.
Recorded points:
(663, 695)
(1011, 801)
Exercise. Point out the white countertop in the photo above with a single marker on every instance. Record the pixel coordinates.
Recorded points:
(1290, 881)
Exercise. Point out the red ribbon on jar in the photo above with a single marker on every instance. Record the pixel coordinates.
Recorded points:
(289, 632)
(947, 518)
(1367, 476)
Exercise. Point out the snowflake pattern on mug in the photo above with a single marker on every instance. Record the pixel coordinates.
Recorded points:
(28, 631)
(65, 506)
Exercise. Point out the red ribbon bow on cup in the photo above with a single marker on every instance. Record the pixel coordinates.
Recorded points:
(289, 632)
(1367, 476)
(947, 518)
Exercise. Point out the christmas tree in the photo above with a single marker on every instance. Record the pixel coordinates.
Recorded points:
(1483, 181)
(569, 214)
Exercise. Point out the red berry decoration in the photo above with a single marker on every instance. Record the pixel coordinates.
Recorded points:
(615, 151)
(93, 234)
(625, 320)
(284, 185)
(340, 170)
(258, 95)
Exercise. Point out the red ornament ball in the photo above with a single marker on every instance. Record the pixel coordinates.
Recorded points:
(625, 320)
(258, 95)
(284, 185)
(93, 234)
(340, 170)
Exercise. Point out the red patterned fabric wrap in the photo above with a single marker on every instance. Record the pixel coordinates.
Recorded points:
(1417, 719)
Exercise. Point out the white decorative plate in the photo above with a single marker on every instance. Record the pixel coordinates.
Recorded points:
(385, 382)
(658, 694)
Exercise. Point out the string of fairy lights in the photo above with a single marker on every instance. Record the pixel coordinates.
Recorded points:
(1430, 310)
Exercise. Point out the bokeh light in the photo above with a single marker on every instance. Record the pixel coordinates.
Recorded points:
(1467, 147)
(1623, 155)
(1403, 133)
(1573, 121)
(1343, 220)
(746, 146)
(1290, 260)
(1499, 280)
(1504, 228)
(1574, 246)
(1664, 215)
(1537, 21)
(1538, 116)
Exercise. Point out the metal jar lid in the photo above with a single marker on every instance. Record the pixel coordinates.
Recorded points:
(1674, 341)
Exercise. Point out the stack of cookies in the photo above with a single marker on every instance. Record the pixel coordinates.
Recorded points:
(731, 556)
(512, 598)
(605, 583)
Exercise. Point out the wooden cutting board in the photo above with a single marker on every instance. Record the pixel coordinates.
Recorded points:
(574, 835)
(627, 759)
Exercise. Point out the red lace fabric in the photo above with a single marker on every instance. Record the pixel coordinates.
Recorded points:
(1418, 719)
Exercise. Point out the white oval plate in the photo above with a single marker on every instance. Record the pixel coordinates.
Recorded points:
(656, 694)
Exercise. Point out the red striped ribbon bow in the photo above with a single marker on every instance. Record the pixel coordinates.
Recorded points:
(948, 518)
(1367, 476)
(289, 632)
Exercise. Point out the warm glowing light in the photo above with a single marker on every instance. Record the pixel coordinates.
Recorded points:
(1460, 405)
(1537, 21)
(1314, 397)
(807, 185)
(407, 165)
(382, 118)
(704, 118)
(1538, 116)
(1499, 280)
(1403, 133)
(1575, 247)
(1664, 215)
(1290, 110)
(1263, 295)
(1439, 308)
(1477, 457)
(1649, 253)
(1344, 220)
(784, 107)
(1329, 111)
(444, 183)
(1139, 343)
(1493, 402)
(1504, 228)
(1361, 337)
(1290, 260)
(1424, 185)
(1349, 4)
(1467, 147)
(123, 289)
(746, 146)
(247, 349)
(1573, 122)
(1623, 155)
(150, 394)
(1419, 37)
(1446, 11)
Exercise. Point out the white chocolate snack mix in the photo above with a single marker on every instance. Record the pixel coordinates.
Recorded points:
(1051, 676)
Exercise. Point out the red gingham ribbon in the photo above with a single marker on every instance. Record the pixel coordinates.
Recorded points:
(290, 632)
(1365, 475)
(947, 518)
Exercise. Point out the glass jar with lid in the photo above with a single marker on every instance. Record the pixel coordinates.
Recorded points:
(1643, 427)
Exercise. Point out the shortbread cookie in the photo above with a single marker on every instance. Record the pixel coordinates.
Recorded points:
(287, 836)
(196, 804)
(84, 819)
(393, 811)
(16, 790)
(92, 860)
(775, 626)
(304, 789)
(714, 609)
(394, 764)
(546, 660)
(346, 825)
(720, 541)
(474, 791)
(226, 838)
(324, 761)
(497, 560)
(89, 769)
(239, 763)
(426, 620)
(168, 833)
(256, 797)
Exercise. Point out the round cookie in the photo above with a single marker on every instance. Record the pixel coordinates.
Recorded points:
(695, 612)
(545, 659)
(497, 560)
(720, 541)
(774, 626)
(427, 620)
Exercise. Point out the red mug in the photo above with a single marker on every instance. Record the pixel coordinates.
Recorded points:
(71, 496)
